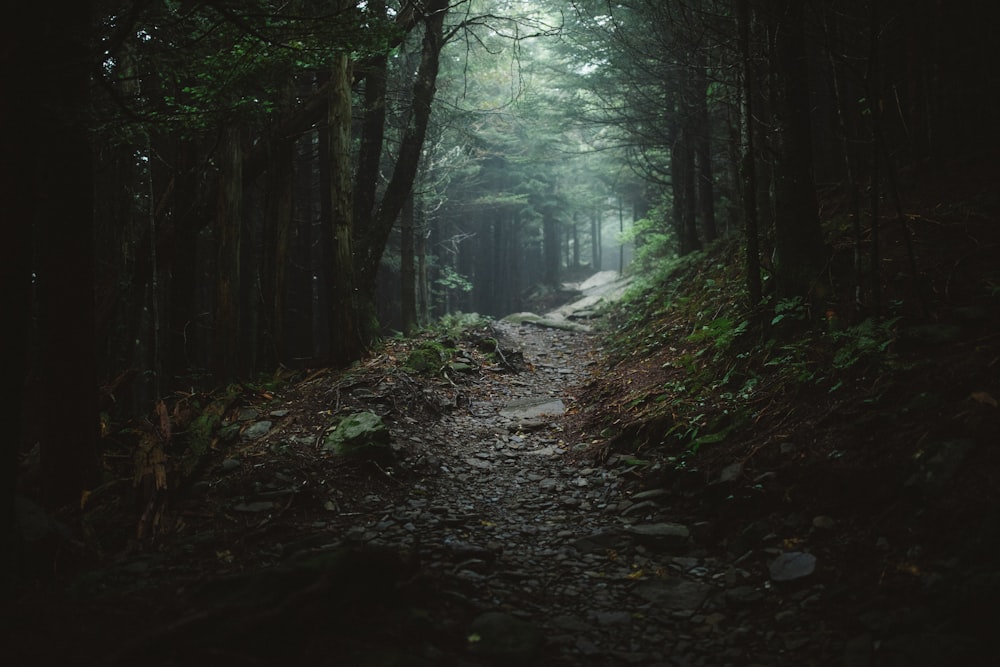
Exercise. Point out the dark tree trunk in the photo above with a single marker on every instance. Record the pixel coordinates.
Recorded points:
(46, 185)
(595, 238)
(183, 312)
(575, 232)
(228, 224)
(347, 340)
(749, 176)
(372, 133)
(703, 150)
(407, 269)
(274, 262)
(550, 246)
(57, 177)
(797, 239)
(374, 235)
(420, 248)
(682, 175)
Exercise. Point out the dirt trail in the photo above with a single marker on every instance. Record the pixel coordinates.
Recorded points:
(489, 542)
(491, 539)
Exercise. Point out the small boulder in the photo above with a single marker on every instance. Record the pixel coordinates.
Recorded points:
(662, 536)
(792, 565)
(362, 434)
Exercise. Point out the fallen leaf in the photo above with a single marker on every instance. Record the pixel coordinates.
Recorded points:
(984, 398)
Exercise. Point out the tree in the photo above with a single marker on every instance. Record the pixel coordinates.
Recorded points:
(51, 207)
(797, 239)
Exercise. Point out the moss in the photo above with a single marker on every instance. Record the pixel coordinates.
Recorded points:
(430, 357)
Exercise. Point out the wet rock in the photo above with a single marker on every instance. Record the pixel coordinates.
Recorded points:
(649, 495)
(676, 594)
(731, 473)
(661, 536)
(534, 407)
(598, 543)
(362, 434)
(257, 430)
(792, 565)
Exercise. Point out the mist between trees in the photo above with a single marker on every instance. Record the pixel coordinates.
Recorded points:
(233, 186)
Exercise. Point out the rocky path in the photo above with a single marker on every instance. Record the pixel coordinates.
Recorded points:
(571, 563)
(491, 537)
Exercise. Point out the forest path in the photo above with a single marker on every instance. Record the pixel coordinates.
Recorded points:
(490, 539)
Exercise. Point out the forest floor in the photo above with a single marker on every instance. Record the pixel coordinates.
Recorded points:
(631, 490)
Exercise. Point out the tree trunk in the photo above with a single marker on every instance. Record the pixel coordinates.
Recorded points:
(550, 246)
(682, 176)
(60, 170)
(421, 233)
(749, 176)
(407, 269)
(183, 312)
(703, 150)
(347, 342)
(798, 241)
(228, 221)
(274, 264)
(374, 234)
(372, 133)
(595, 237)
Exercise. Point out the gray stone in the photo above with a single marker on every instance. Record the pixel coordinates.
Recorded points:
(673, 594)
(650, 494)
(792, 565)
(661, 536)
(361, 434)
(257, 430)
(531, 408)
(731, 473)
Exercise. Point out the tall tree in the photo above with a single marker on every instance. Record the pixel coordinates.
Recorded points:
(54, 199)
(797, 239)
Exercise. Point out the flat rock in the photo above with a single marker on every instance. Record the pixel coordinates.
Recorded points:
(663, 536)
(534, 407)
(673, 594)
(792, 565)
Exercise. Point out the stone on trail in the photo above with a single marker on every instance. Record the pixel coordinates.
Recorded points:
(792, 565)
(533, 407)
(674, 594)
(661, 536)
(362, 434)
(257, 430)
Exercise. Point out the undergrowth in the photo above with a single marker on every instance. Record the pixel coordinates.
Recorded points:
(712, 365)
